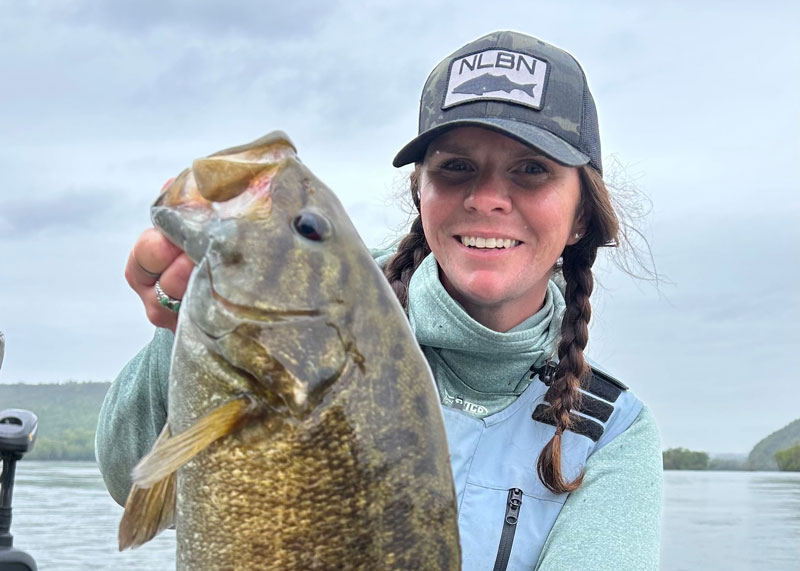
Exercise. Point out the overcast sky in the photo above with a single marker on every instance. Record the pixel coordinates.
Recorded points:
(101, 102)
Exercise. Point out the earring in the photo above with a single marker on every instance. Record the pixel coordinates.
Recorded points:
(577, 235)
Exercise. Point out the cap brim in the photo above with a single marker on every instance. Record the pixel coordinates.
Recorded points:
(536, 137)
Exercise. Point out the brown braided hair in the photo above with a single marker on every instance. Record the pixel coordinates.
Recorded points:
(411, 250)
(601, 229)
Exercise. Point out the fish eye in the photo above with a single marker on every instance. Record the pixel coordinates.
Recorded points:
(312, 226)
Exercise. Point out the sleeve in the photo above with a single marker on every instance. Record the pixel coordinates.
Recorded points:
(382, 255)
(613, 521)
(133, 413)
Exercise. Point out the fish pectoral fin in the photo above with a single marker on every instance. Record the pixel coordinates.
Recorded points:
(173, 452)
(148, 511)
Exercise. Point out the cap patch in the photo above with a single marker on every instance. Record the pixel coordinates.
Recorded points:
(497, 74)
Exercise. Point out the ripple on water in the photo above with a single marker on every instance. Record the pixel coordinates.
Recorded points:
(66, 520)
(735, 521)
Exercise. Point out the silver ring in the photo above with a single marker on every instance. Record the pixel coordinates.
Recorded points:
(169, 302)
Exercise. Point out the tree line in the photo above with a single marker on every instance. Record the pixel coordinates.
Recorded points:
(683, 459)
(67, 413)
(778, 451)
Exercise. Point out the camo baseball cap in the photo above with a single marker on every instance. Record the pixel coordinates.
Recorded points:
(515, 84)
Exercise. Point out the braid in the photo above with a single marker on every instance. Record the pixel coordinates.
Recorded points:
(411, 250)
(564, 394)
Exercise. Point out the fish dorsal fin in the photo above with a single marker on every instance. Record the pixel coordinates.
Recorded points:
(148, 511)
(170, 454)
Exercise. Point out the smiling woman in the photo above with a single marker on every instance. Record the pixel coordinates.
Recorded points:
(508, 186)
(556, 464)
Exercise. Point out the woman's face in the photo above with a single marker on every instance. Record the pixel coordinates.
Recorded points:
(497, 215)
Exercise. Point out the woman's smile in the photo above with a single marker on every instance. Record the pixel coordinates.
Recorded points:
(481, 243)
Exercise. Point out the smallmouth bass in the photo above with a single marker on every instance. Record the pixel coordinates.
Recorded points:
(304, 428)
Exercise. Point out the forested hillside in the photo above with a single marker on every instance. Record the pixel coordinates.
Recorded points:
(762, 456)
(67, 416)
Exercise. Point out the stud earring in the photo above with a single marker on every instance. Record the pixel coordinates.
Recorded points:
(577, 235)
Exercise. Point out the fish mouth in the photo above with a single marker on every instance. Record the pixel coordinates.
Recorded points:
(250, 313)
(263, 346)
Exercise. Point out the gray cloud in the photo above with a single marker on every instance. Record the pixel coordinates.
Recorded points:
(63, 212)
(264, 20)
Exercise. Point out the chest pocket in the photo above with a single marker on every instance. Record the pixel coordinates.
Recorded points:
(492, 528)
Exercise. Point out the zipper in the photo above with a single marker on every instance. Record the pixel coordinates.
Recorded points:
(513, 505)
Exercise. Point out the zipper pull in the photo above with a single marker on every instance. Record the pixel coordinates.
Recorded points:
(512, 506)
(509, 529)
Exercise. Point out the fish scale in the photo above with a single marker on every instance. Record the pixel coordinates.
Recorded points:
(321, 441)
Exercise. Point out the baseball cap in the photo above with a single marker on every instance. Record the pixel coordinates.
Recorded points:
(518, 85)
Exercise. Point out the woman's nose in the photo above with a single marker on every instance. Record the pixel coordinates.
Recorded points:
(488, 195)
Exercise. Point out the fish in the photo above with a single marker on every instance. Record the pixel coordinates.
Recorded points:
(304, 428)
(488, 83)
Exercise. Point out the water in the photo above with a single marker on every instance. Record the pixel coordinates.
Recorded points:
(732, 521)
(64, 517)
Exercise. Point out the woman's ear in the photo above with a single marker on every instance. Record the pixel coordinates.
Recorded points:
(414, 181)
(578, 227)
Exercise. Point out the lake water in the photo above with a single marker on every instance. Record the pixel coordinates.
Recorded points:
(731, 521)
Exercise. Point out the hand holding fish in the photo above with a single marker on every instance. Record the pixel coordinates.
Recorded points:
(154, 258)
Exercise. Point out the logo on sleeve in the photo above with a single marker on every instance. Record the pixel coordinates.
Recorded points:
(497, 74)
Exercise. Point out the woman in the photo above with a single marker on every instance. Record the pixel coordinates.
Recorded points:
(508, 185)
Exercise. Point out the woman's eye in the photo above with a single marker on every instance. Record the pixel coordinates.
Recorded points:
(533, 168)
(456, 165)
(312, 226)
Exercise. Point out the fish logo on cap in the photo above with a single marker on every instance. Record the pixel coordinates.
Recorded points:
(502, 75)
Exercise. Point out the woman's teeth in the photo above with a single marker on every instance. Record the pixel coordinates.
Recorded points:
(488, 242)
